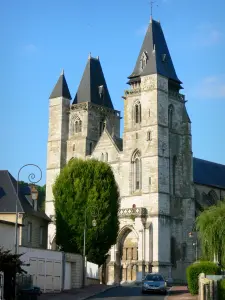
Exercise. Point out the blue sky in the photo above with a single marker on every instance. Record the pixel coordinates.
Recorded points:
(40, 38)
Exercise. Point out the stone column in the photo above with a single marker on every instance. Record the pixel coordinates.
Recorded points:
(111, 273)
(129, 270)
(140, 245)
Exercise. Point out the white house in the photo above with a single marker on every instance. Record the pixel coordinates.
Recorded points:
(7, 235)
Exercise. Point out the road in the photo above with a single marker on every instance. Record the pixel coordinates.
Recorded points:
(127, 293)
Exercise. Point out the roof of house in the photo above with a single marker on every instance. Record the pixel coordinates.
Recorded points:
(10, 223)
(158, 56)
(208, 173)
(93, 87)
(8, 197)
(61, 88)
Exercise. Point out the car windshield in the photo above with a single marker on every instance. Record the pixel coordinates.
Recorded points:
(154, 277)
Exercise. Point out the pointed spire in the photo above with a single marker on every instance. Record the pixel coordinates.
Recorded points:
(89, 56)
(61, 88)
(155, 47)
(93, 87)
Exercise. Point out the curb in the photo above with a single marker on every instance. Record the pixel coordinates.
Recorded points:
(169, 293)
(102, 291)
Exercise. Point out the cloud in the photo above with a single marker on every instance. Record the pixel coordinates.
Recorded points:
(212, 87)
(142, 30)
(207, 35)
(30, 48)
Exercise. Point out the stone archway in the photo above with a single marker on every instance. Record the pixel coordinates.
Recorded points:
(127, 255)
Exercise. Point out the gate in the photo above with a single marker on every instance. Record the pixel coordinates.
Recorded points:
(1, 286)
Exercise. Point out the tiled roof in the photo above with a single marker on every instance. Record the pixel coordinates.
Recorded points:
(93, 87)
(8, 197)
(61, 88)
(208, 173)
(158, 56)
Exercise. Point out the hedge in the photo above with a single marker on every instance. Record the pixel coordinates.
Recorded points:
(193, 271)
(221, 289)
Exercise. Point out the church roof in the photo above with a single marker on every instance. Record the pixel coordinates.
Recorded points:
(208, 173)
(93, 87)
(61, 88)
(158, 56)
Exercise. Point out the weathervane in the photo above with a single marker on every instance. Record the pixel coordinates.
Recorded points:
(151, 3)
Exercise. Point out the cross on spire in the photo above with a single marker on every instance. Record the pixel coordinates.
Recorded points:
(151, 4)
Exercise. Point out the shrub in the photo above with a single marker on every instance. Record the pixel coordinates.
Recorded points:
(221, 289)
(193, 271)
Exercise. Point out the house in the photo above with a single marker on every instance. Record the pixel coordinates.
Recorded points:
(7, 234)
(34, 232)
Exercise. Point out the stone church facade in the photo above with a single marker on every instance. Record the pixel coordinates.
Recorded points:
(162, 187)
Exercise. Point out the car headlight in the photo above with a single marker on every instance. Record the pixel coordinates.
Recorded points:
(145, 285)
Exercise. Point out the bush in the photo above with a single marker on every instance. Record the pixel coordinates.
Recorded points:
(221, 289)
(193, 271)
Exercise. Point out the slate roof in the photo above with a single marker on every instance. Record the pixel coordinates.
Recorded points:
(61, 88)
(119, 142)
(208, 173)
(156, 48)
(8, 197)
(92, 79)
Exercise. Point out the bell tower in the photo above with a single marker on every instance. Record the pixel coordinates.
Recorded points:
(59, 105)
(157, 152)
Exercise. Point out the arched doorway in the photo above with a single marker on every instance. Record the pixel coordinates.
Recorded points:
(127, 255)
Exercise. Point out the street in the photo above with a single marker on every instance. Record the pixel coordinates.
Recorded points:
(128, 293)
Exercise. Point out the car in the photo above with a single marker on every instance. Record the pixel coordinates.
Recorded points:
(154, 282)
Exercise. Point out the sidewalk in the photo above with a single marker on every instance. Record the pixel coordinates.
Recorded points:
(77, 294)
(181, 293)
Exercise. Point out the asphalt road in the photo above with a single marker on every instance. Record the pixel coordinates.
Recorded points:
(127, 293)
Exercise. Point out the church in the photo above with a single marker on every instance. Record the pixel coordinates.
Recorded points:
(162, 186)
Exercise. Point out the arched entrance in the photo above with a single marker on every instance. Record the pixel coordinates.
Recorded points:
(127, 254)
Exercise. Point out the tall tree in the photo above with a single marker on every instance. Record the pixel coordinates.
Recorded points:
(210, 225)
(86, 187)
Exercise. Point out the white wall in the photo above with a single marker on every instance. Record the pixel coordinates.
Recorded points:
(92, 270)
(45, 266)
(7, 236)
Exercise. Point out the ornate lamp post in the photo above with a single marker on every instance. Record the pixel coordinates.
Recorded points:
(34, 195)
(94, 212)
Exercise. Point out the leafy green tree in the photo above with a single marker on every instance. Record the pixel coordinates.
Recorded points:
(210, 225)
(86, 186)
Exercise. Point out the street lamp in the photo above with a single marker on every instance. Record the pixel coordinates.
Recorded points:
(94, 213)
(195, 244)
(34, 195)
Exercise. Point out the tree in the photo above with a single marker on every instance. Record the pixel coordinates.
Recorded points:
(10, 264)
(86, 185)
(210, 225)
(41, 194)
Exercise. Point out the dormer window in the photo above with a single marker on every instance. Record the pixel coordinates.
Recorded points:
(144, 60)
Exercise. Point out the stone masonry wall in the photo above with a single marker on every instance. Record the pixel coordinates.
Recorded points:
(56, 151)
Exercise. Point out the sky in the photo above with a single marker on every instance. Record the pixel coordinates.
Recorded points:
(40, 38)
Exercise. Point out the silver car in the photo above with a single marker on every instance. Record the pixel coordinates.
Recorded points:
(154, 282)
